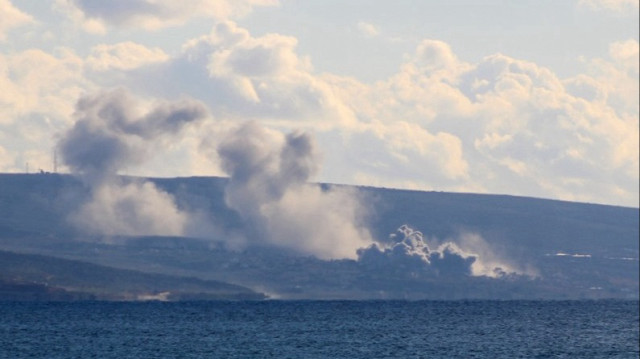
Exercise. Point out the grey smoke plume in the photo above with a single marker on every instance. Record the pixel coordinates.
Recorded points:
(111, 133)
(135, 208)
(409, 251)
(269, 188)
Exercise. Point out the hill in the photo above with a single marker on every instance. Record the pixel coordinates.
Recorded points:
(470, 245)
(38, 277)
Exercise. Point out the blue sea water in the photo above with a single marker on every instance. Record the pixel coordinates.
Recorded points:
(321, 329)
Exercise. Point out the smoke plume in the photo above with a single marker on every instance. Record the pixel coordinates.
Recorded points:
(409, 252)
(112, 133)
(136, 208)
(269, 188)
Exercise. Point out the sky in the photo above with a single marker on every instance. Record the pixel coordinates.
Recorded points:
(529, 98)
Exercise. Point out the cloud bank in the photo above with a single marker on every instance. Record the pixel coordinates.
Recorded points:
(496, 124)
(96, 16)
(501, 125)
(10, 18)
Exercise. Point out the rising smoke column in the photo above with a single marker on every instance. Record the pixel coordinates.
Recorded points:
(269, 188)
(111, 133)
(409, 253)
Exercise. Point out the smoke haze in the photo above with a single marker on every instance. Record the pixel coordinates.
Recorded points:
(410, 252)
(137, 208)
(111, 133)
(269, 188)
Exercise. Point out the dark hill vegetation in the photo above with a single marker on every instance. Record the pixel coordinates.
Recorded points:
(579, 250)
(47, 278)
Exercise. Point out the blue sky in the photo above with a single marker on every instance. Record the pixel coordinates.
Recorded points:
(534, 98)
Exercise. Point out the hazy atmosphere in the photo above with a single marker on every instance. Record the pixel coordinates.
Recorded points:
(531, 98)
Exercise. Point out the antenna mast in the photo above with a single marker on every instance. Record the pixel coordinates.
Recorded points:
(55, 161)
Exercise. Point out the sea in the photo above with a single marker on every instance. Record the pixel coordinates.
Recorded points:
(321, 329)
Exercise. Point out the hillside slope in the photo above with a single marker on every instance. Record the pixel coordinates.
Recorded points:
(570, 250)
(26, 273)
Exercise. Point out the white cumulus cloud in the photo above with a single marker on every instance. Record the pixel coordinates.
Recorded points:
(11, 18)
(124, 56)
(501, 125)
